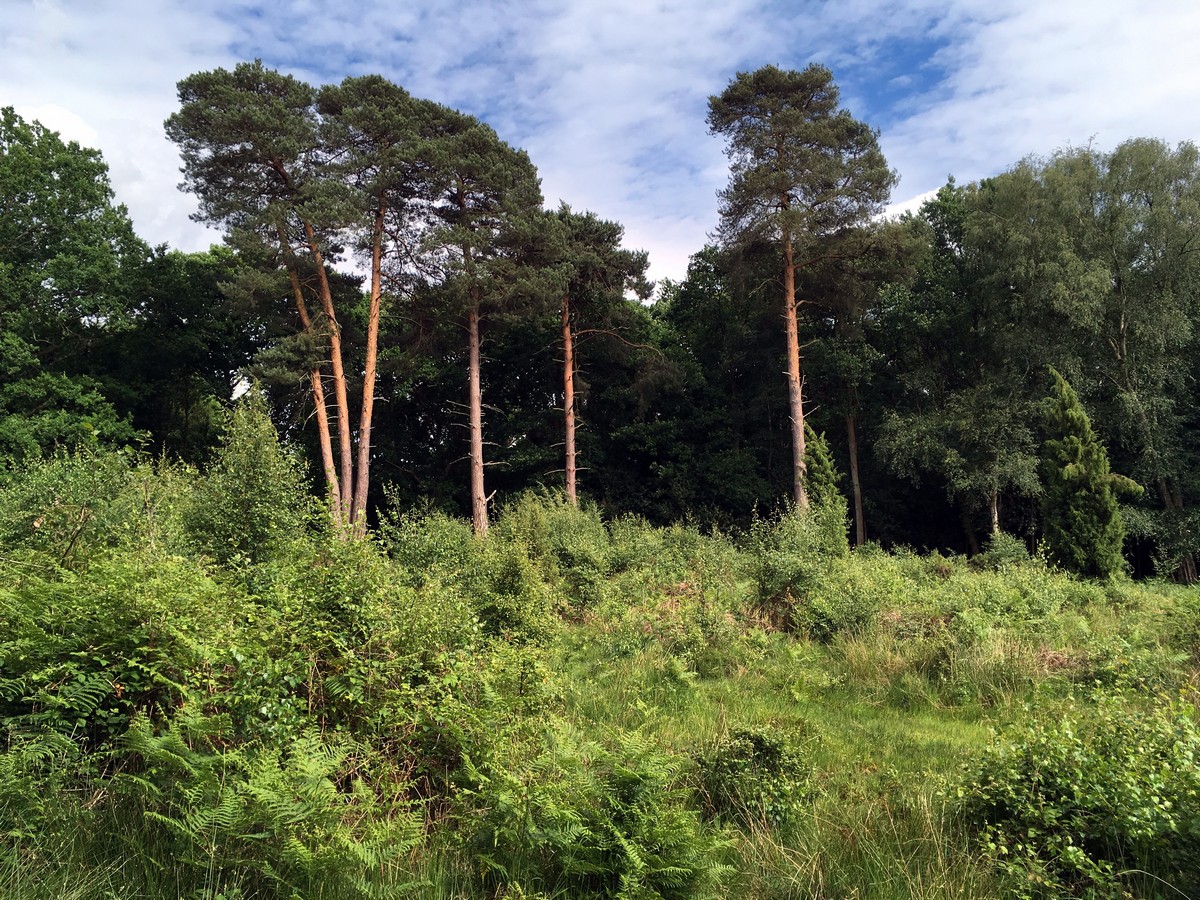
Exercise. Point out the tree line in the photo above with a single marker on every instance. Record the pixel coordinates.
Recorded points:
(419, 321)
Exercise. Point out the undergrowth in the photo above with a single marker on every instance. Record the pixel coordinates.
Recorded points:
(206, 691)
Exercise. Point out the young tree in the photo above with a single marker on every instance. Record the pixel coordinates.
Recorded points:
(803, 171)
(821, 475)
(1083, 527)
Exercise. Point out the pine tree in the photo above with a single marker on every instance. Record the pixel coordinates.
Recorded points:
(1082, 522)
(803, 173)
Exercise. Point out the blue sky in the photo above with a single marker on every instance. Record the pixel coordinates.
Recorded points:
(610, 96)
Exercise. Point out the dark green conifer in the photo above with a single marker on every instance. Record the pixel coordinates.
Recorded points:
(821, 479)
(1082, 522)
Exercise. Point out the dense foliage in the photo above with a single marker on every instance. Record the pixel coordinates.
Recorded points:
(925, 340)
(573, 706)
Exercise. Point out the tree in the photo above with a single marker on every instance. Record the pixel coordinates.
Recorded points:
(965, 343)
(803, 172)
(185, 350)
(252, 155)
(846, 296)
(821, 474)
(292, 174)
(68, 262)
(1082, 522)
(374, 133)
(485, 216)
(1142, 203)
(594, 274)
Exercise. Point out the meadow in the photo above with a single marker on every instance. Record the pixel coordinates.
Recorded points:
(207, 691)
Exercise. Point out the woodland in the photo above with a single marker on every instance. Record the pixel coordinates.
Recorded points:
(410, 542)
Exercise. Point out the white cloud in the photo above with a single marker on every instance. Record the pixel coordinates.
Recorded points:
(610, 98)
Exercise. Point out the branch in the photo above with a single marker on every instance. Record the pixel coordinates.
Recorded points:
(619, 337)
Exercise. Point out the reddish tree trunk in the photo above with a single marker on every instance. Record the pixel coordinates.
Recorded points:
(345, 453)
(479, 516)
(358, 511)
(318, 392)
(795, 382)
(569, 397)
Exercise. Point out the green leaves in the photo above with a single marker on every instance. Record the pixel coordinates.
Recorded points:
(799, 165)
(67, 254)
(1086, 801)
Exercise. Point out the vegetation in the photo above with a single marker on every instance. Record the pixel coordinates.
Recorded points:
(247, 705)
(231, 668)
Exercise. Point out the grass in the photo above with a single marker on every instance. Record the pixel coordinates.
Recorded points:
(541, 702)
(878, 826)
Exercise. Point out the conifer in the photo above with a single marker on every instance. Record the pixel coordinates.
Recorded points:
(1082, 522)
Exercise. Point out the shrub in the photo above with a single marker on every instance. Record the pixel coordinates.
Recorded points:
(63, 510)
(791, 551)
(1088, 801)
(253, 500)
(569, 544)
(1001, 551)
(427, 545)
(81, 655)
(756, 776)
(590, 821)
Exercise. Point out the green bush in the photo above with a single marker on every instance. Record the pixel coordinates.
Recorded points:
(1002, 550)
(84, 653)
(1093, 800)
(791, 552)
(585, 820)
(253, 501)
(505, 581)
(569, 544)
(63, 510)
(426, 544)
(756, 776)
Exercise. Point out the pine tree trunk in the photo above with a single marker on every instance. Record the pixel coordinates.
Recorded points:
(358, 512)
(479, 517)
(318, 392)
(795, 382)
(345, 453)
(327, 462)
(860, 523)
(569, 398)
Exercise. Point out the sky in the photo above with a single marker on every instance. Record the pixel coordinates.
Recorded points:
(609, 97)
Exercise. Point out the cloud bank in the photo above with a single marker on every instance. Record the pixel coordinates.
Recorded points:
(610, 98)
